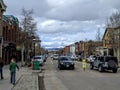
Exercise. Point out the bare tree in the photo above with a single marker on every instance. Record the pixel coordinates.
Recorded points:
(114, 20)
(98, 35)
(28, 26)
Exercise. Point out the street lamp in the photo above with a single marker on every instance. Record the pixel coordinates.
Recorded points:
(34, 42)
(34, 46)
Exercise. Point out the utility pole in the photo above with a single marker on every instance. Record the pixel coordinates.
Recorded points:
(22, 53)
(34, 48)
(34, 43)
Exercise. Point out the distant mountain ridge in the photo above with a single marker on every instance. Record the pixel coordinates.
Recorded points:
(53, 49)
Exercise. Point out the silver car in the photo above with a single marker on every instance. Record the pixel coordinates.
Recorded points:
(38, 58)
(91, 58)
(55, 57)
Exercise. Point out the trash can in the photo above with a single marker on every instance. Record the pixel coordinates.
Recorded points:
(35, 65)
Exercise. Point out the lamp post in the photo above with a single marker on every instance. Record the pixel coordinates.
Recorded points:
(34, 42)
(34, 48)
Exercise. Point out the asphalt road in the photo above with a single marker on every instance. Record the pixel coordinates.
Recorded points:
(78, 79)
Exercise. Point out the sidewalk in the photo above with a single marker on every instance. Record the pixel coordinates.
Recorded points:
(24, 77)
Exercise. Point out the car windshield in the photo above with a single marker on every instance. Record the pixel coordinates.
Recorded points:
(65, 59)
(37, 57)
(55, 55)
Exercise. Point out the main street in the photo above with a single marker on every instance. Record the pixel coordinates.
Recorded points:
(78, 79)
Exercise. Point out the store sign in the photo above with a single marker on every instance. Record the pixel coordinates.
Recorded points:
(18, 48)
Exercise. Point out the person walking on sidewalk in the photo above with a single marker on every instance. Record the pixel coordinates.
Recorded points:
(12, 68)
(84, 64)
(1, 68)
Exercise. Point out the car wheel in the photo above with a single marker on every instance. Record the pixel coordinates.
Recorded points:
(60, 68)
(100, 68)
(114, 70)
(73, 68)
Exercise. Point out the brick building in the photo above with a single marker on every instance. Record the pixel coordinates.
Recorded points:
(2, 10)
(77, 48)
(89, 48)
(66, 50)
(11, 38)
(82, 48)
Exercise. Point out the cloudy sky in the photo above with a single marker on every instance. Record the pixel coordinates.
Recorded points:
(63, 22)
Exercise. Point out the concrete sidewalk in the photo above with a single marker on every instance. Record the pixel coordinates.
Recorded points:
(27, 82)
(24, 74)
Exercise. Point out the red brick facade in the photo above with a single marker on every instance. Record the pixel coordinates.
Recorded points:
(11, 35)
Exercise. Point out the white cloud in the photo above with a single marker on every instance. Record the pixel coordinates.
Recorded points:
(62, 22)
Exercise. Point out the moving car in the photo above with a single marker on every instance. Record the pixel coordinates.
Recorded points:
(38, 58)
(65, 62)
(105, 63)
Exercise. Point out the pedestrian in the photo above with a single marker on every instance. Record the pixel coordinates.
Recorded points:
(1, 68)
(12, 68)
(84, 64)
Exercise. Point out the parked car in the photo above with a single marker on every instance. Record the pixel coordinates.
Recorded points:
(38, 58)
(55, 57)
(65, 62)
(91, 58)
(45, 57)
(51, 56)
(74, 57)
(105, 63)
